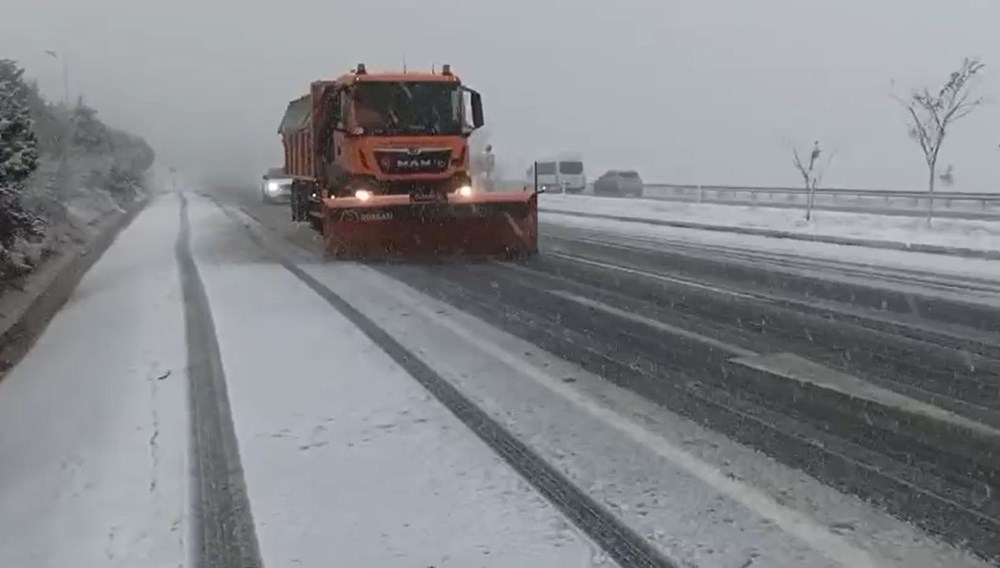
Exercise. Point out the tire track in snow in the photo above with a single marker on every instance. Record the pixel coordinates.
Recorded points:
(224, 532)
(621, 543)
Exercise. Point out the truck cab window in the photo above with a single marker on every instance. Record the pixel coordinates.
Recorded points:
(546, 168)
(571, 168)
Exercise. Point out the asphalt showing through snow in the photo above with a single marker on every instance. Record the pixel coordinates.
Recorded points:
(934, 475)
(224, 532)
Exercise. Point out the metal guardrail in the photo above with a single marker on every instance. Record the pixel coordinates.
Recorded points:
(954, 204)
(966, 205)
(938, 195)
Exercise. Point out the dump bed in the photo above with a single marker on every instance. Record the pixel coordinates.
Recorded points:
(297, 138)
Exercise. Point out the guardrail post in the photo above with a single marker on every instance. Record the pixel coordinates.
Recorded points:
(701, 195)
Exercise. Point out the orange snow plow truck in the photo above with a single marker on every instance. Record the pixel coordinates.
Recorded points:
(379, 164)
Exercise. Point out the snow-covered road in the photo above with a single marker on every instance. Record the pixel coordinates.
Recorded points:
(93, 422)
(376, 423)
(349, 461)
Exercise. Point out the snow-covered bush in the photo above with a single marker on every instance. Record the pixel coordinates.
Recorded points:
(18, 161)
(65, 168)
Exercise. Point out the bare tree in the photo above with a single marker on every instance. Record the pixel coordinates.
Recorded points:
(932, 114)
(812, 173)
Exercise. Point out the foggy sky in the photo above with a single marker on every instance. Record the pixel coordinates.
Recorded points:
(704, 91)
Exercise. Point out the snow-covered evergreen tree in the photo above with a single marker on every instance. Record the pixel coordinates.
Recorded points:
(18, 160)
(89, 132)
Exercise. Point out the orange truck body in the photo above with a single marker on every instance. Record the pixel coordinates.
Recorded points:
(380, 166)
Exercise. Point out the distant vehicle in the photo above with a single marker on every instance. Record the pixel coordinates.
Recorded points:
(275, 186)
(559, 173)
(619, 182)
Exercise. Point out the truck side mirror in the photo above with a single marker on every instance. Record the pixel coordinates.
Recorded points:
(477, 109)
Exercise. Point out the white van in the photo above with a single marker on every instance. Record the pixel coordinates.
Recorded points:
(563, 173)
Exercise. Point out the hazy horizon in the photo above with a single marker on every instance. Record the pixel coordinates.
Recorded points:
(706, 92)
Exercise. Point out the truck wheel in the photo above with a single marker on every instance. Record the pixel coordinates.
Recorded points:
(293, 203)
(299, 200)
(316, 223)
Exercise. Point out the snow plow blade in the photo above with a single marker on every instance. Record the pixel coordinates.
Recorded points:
(485, 225)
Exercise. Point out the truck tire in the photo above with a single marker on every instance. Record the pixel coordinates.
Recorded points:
(299, 201)
(316, 223)
(293, 202)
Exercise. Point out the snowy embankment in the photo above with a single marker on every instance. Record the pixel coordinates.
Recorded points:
(73, 194)
(850, 228)
(63, 171)
(68, 183)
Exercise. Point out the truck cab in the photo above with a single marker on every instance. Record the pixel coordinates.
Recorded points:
(380, 166)
(382, 134)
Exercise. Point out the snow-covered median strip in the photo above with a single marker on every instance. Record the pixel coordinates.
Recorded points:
(954, 236)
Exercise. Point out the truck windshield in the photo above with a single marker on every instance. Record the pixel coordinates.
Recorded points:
(546, 168)
(411, 107)
(571, 168)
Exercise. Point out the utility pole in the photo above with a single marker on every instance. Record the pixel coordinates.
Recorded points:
(66, 144)
(61, 57)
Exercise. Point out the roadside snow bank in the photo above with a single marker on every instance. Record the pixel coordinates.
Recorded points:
(957, 233)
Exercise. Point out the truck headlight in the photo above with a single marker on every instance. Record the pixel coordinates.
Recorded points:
(464, 191)
(363, 194)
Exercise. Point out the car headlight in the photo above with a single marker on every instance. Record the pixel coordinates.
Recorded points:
(363, 194)
(273, 186)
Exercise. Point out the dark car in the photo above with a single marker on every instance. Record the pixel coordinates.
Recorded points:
(619, 183)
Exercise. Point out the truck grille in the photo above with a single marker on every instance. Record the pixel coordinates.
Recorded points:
(420, 162)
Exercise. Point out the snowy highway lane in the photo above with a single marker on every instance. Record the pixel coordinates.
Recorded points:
(347, 415)
(348, 461)
(93, 422)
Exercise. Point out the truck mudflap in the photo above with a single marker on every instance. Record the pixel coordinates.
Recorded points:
(503, 225)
